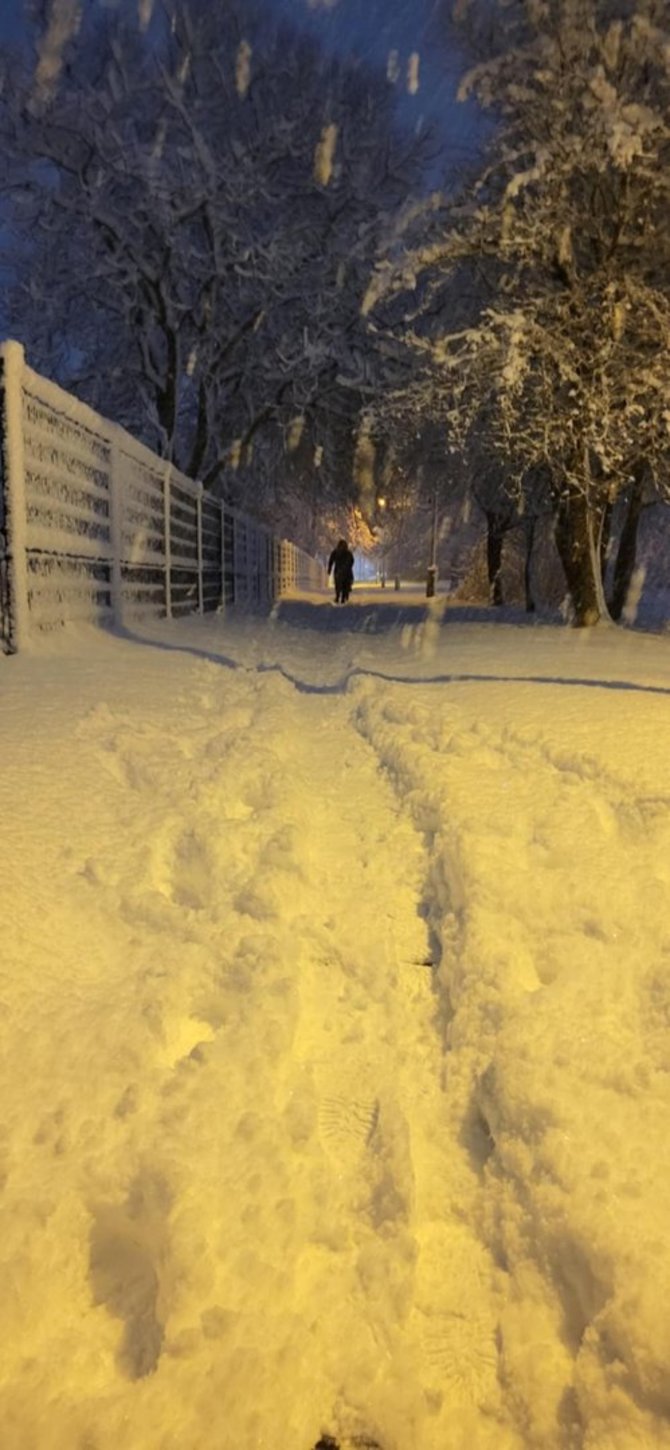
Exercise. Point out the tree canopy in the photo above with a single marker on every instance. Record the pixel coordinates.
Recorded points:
(537, 301)
(196, 205)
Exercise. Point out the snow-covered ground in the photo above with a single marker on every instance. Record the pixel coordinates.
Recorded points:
(335, 995)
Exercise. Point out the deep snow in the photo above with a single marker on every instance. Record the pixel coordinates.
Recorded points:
(336, 1034)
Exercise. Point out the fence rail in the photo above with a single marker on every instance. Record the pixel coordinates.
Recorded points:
(96, 527)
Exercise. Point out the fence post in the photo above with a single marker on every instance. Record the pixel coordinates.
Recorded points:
(223, 554)
(237, 587)
(198, 526)
(12, 362)
(233, 540)
(115, 533)
(251, 538)
(168, 541)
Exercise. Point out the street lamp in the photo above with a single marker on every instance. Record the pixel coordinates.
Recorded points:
(431, 577)
(381, 505)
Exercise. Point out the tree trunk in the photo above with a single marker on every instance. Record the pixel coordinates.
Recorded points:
(166, 399)
(573, 532)
(201, 439)
(529, 537)
(495, 526)
(627, 550)
(605, 537)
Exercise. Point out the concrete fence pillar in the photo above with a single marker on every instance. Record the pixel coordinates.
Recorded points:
(198, 523)
(168, 541)
(14, 518)
(116, 532)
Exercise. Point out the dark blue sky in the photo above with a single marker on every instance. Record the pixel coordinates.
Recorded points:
(7, 19)
(372, 29)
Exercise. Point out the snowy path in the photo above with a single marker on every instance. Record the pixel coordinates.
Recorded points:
(255, 894)
(336, 1055)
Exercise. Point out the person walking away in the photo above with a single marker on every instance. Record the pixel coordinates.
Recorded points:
(341, 562)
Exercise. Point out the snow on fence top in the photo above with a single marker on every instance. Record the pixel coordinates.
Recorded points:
(96, 527)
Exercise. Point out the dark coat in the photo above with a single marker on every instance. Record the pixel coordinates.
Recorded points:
(341, 562)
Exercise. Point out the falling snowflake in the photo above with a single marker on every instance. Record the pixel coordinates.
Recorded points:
(145, 10)
(325, 155)
(64, 20)
(295, 432)
(243, 68)
(393, 67)
(413, 73)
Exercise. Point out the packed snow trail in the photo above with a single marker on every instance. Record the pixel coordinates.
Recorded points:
(335, 1038)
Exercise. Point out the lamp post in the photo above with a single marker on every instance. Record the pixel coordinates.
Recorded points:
(431, 577)
(381, 505)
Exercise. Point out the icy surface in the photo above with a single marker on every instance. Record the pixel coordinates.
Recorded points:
(335, 1063)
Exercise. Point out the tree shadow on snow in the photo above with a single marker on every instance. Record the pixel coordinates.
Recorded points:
(398, 615)
(173, 647)
(382, 615)
(339, 687)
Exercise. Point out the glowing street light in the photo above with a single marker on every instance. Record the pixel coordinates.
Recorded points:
(381, 505)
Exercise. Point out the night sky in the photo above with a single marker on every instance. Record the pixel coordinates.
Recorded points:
(370, 31)
(375, 29)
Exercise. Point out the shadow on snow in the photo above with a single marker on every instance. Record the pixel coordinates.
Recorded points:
(386, 617)
(363, 615)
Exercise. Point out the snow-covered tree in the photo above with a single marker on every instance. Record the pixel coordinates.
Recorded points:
(200, 203)
(540, 298)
